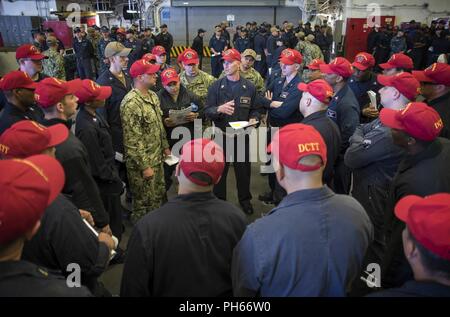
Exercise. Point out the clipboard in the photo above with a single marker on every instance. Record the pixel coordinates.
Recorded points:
(116, 242)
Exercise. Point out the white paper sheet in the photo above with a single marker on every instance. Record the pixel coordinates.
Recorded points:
(171, 160)
(241, 124)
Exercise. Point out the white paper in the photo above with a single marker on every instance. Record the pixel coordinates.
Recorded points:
(119, 157)
(171, 160)
(116, 242)
(241, 124)
(373, 99)
(179, 116)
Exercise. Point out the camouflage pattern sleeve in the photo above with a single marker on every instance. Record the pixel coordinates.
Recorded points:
(61, 72)
(53, 66)
(209, 80)
(259, 83)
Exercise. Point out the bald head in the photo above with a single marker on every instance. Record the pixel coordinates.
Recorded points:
(309, 104)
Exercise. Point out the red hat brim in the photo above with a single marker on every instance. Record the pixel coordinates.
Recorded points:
(170, 80)
(105, 93)
(37, 57)
(326, 69)
(389, 118)
(360, 66)
(387, 66)
(230, 59)
(313, 67)
(404, 205)
(385, 80)
(58, 134)
(32, 86)
(302, 87)
(191, 61)
(420, 76)
(287, 61)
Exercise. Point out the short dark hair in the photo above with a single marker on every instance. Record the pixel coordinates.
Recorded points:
(203, 177)
(432, 262)
(401, 69)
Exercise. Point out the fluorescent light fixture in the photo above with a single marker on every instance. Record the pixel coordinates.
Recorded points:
(185, 3)
(104, 12)
(132, 11)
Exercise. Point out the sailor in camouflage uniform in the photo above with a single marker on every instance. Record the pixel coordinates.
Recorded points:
(145, 141)
(311, 51)
(53, 66)
(94, 37)
(248, 72)
(301, 42)
(192, 78)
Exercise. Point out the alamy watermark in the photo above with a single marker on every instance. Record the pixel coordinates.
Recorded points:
(73, 279)
(373, 278)
(237, 143)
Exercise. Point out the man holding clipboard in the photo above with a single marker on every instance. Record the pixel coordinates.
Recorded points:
(231, 99)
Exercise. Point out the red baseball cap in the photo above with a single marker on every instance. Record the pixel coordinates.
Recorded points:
(319, 88)
(204, 156)
(295, 141)
(91, 91)
(363, 61)
(26, 138)
(29, 51)
(428, 220)
(168, 76)
(50, 91)
(159, 50)
(27, 187)
(398, 60)
(121, 31)
(290, 57)
(315, 64)
(339, 66)
(417, 119)
(189, 56)
(16, 79)
(142, 67)
(231, 55)
(149, 57)
(437, 73)
(403, 82)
